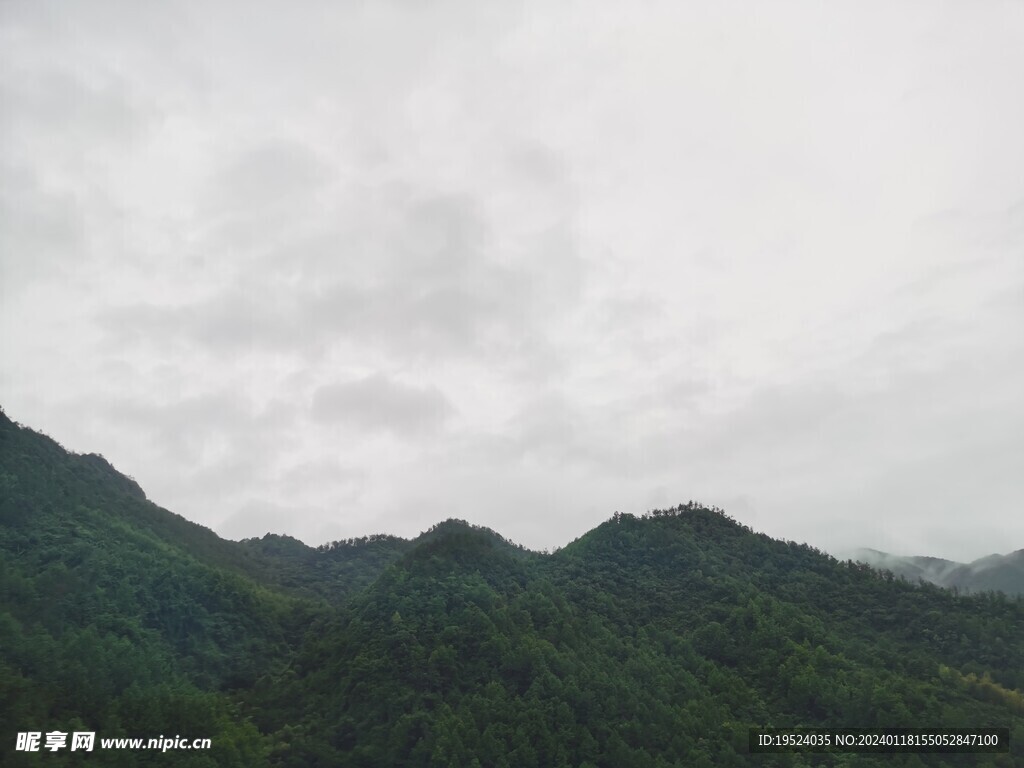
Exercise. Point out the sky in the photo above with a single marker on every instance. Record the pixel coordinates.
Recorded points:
(337, 268)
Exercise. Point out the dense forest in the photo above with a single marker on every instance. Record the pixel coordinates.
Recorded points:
(650, 641)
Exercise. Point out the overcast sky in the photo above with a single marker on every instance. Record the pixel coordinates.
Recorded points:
(330, 269)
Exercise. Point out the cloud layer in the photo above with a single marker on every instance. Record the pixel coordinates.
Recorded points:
(359, 267)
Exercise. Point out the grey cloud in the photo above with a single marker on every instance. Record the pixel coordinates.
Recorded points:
(448, 281)
(241, 319)
(65, 128)
(261, 199)
(550, 428)
(441, 240)
(329, 475)
(303, 322)
(410, 320)
(553, 432)
(272, 173)
(39, 228)
(538, 163)
(428, 289)
(187, 429)
(611, 438)
(206, 230)
(376, 403)
(98, 107)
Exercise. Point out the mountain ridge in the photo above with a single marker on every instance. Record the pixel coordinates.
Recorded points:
(650, 640)
(1003, 573)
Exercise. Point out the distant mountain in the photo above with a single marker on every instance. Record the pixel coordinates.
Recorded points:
(333, 571)
(1000, 573)
(650, 641)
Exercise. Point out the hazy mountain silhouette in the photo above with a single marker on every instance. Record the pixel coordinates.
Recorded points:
(1002, 573)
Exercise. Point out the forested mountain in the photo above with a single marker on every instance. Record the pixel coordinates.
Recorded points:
(653, 641)
(999, 573)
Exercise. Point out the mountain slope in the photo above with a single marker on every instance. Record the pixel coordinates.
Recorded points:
(333, 571)
(1001, 573)
(648, 641)
(998, 573)
(118, 616)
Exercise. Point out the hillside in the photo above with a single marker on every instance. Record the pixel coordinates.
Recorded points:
(118, 615)
(994, 573)
(649, 641)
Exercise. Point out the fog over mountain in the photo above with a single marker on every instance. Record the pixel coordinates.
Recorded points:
(353, 267)
(1002, 573)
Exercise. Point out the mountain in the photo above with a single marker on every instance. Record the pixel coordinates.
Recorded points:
(332, 571)
(121, 617)
(999, 573)
(649, 641)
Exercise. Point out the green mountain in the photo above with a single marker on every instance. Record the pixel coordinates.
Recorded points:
(994, 573)
(649, 641)
(332, 572)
